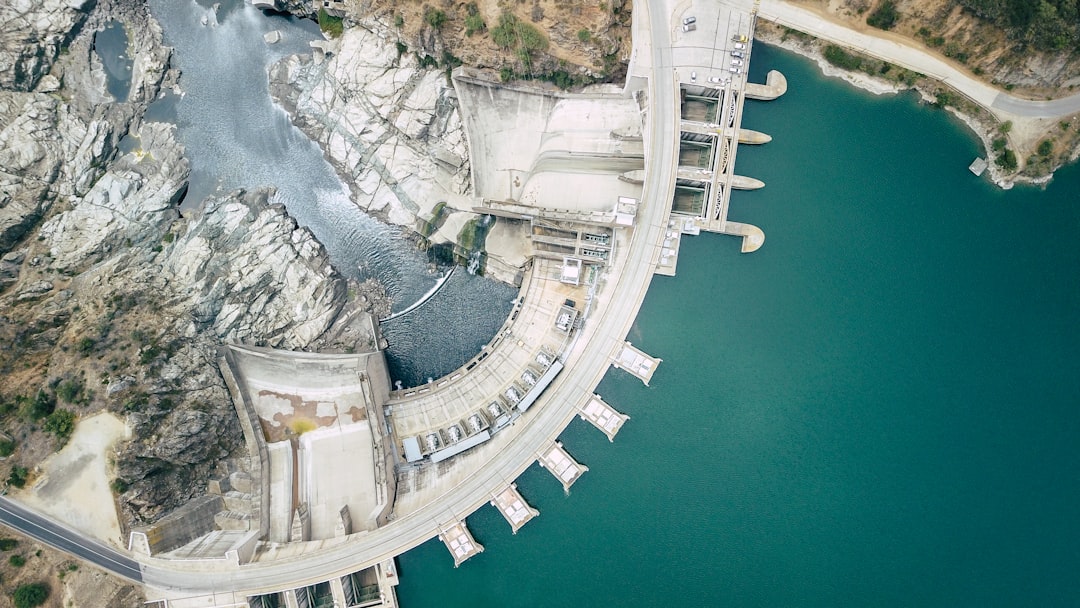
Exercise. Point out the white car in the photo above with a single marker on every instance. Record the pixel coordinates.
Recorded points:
(734, 70)
(738, 54)
(689, 20)
(689, 27)
(693, 76)
(736, 62)
(718, 80)
(740, 46)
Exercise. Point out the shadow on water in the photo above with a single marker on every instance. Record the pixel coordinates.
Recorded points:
(111, 45)
(236, 137)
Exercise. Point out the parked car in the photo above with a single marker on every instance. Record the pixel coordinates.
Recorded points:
(738, 54)
(689, 27)
(689, 20)
(739, 46)
(693, 76)
(718, 80)
(736, 62)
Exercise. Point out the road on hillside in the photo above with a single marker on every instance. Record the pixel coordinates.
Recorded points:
(905, 55)
(45, 530)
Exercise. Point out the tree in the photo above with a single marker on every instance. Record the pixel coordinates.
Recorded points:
(61, 423)
(884, 16)
(18, 476)
(1046, 147)
(1007, 160)
(30, 595)
(435, 18)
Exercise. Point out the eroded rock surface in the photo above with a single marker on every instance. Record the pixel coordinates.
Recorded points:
(105, 286)
(390, 127)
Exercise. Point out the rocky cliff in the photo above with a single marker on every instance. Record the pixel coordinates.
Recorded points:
(109, 298)
(390, 127)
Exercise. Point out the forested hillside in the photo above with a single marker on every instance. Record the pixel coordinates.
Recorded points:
(1048, 25)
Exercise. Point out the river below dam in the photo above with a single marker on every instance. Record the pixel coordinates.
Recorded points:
(235, 136)
(878, 408)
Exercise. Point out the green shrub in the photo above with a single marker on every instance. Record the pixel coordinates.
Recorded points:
(7, 544)
(18, 476)
(426, 61)
(85, 346)
(474, 23)
(1046, 147)
(434, 17)
(884, 16)
(841, 58)
(999, 144)
(40, 406)
(17, 561)
(584, 35)
(7, 447)
(399, 21)
(512, 33)
(1007, 160)
(69, 390)
(118, 486)
(30, 595)
(944, 98)
(61, 423)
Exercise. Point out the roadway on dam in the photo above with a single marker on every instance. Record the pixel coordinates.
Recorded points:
(586, 363)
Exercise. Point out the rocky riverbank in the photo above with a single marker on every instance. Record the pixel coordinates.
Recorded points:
(109, 297)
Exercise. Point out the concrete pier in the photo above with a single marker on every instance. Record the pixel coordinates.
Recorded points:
(460, 542)
(742, 182)
(752, 236)
(513, 507)
(603, 416)
(636, 362)
(754, 138)
(775, 86)
(562, 465)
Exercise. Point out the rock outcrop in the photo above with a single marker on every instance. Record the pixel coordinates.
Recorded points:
(390, 127)
(253, 275)
(237, 270)
(104, 283)
(56, 140)
(32, 34)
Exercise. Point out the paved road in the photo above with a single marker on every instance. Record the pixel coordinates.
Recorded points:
(585, 366)
(37, 526)
(913, 58)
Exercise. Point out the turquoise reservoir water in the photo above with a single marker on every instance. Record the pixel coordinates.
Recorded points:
(878, 408)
